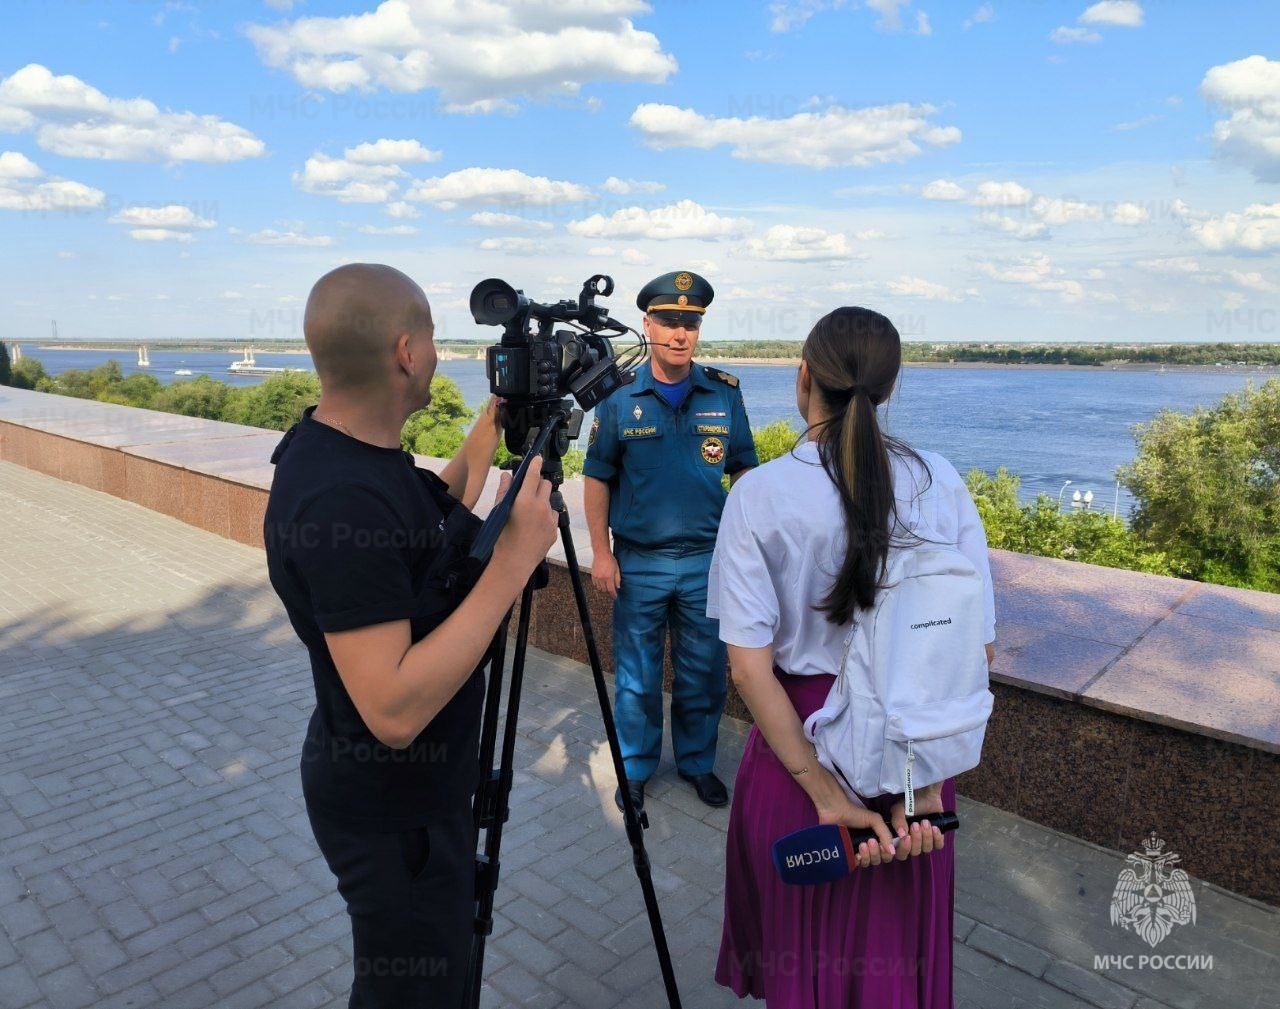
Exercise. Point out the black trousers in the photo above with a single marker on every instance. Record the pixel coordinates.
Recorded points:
(410, 895)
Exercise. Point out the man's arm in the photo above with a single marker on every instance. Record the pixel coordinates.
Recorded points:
(742, 444)
(468, 470)
(604, 566)
(399, 686)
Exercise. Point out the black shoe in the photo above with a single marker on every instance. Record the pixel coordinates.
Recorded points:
(636, 788)
(710, 789)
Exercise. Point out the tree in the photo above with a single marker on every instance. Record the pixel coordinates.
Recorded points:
(1208, 488)
(137, 390)
(4, 364)
(201, 397)
(439, 429)
(774, 440)
(276, 403)
(27, 374)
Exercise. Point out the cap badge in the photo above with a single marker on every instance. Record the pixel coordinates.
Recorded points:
(683, 282)
(682, 300)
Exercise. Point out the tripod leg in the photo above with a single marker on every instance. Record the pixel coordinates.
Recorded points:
(492, 803)
(633, 822)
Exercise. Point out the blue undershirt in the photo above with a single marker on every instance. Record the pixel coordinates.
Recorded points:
(674, 393)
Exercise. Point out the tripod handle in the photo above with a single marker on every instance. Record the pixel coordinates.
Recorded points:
(487, 538)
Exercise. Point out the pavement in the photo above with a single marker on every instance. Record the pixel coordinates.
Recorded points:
(154, 849)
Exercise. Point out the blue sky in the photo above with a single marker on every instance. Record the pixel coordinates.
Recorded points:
(978, 171)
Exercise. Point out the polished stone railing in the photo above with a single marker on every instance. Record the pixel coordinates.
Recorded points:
(1125, 702)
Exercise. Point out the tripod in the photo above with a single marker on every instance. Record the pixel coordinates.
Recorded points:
(551, 440)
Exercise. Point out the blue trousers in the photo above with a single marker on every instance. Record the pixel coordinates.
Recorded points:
(661, 591)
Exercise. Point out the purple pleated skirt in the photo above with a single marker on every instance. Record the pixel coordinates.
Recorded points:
(878, 939)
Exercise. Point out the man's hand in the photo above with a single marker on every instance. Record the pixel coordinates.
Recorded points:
(482, 440)
(605, 573)
(532, 525)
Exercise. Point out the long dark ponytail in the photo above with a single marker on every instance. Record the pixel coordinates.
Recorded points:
(854, 355)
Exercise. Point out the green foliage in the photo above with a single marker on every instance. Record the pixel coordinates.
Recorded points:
(202, 397)
(1208, 488)
(774, 440)
(27, 374)
(276, 403)
(5, 368)
(137, 390)
(438, 430)
(1041, 528)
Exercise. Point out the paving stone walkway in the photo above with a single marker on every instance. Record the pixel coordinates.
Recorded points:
(154, 850)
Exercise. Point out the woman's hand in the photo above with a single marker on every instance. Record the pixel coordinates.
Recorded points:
(924, 837)
(844, 812)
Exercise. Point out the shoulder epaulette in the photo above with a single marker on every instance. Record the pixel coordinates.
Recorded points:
(721, 376)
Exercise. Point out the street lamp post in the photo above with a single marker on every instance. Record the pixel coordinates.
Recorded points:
(1065, 484)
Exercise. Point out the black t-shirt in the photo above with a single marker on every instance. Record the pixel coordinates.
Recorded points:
(355, 536)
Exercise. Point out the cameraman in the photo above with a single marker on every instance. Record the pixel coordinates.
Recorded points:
(658, 453)
(358, 541)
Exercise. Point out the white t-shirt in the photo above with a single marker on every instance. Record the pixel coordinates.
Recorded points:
(782, 539)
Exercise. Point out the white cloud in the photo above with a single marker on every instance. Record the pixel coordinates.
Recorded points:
(1255, 281)
(1116, 13)
(1069, 36)
(173, 223)
(634, 257)
(601, 250)
(67, 254)
(788, 16)
(624, 187)
(890, 14)
(784, 243)
(832, 137)
(1130, 213)
(1181, 266)
(401, 209)
(495, 186)
(232, 295)
(20, 190)
(270, 236)
(71, 118)
(1250, 90)
(922, 24)
(1002, 194)
(917, 287)
(514, 246)
(1024, 231)
(942, 189)
(1036, 272)
(488, 219)
(1255, 230)
(480, 56)
(981, 16)
(684, 219)
(392, 229)
(366, 173)
(1057, 211)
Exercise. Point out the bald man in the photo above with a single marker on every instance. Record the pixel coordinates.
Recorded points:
(358, 542)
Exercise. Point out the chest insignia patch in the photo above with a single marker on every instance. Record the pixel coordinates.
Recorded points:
(711, 413)
(713, 451)
(711, 429)
(639, 432)
(595, 427)
(637, 413)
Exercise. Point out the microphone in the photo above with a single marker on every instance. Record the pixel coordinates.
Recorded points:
(829, 851)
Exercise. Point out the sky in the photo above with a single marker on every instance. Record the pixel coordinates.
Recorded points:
(1043, 170)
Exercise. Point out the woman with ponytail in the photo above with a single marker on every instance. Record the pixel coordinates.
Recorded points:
(801, 552)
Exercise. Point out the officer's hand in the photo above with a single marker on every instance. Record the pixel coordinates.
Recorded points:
(605, 573)
(531, 529)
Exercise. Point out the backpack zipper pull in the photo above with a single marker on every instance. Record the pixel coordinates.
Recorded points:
(909, 795)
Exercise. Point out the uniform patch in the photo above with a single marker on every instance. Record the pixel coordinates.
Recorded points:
(637, 413)
(711, 413)
(639, 432)
(713, 451)
(711, 429)
(683, 281)
(595, 427)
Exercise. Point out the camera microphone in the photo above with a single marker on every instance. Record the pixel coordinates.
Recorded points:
(829, 851)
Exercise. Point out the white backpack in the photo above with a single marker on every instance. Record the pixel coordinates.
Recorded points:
(910, 703)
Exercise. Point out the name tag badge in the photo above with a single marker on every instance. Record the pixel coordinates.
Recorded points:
(711, 429)
(649, 431)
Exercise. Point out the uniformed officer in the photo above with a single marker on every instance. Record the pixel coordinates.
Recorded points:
(659, 449)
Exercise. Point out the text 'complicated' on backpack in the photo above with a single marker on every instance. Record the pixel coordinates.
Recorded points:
(910, 704)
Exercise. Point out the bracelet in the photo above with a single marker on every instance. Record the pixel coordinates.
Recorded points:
(805, 769)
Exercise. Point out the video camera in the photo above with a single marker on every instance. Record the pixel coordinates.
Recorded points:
(536, 364)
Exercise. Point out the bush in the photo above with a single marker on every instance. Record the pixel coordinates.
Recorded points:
(774, 440)
(277, 403)
(202, 397)
(5, 368)
(1208, 488)
(137, 390)
(439, 429)
(28, 373)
